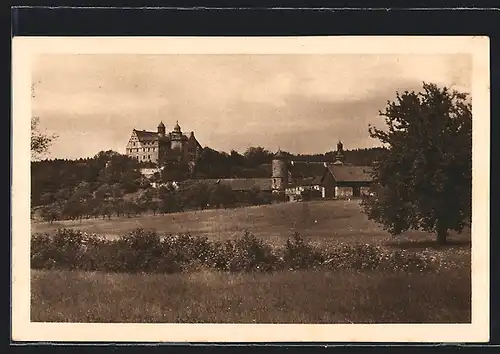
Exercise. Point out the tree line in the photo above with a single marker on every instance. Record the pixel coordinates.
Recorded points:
(253, 163)
(108, 201)
(60, 179)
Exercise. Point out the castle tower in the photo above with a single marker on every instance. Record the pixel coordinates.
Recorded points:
(339, 156)
(177, 137)
(161, 129)
(279, 174)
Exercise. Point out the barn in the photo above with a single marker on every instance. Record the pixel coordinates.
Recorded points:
(346, 181)
(305, 180)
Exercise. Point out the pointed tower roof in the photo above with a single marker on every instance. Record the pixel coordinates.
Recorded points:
(177, 128)
(339, 156)
(161, 125)
(279, 154)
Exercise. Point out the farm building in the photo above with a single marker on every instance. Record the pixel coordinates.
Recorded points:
(238, 184)
(294, 180)
(299, 180)
(345, 181)
(246, 184)
(305, 180)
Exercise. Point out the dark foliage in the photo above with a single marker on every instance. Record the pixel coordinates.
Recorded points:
(424, 177)
(145, 251)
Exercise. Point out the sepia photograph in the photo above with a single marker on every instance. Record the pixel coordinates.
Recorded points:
(272, 185)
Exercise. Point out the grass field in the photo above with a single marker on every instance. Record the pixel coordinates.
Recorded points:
(323, 222)
(286, 297)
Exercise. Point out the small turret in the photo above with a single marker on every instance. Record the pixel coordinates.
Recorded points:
(176, 137)
(339, 156)
(161, 129)
(279, 174)
(177, 127)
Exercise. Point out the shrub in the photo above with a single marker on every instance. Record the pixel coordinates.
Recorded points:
(41, 251)
(99, 254)
(298, 254)
(145, 251)
(138, 251)
(67, 248)
(244, 254)
(370, 257)
(251, 254)
(180, 252)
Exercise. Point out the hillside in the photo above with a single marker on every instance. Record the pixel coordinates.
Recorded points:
(319, 221)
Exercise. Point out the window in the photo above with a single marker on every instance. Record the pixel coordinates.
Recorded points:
(149, 157)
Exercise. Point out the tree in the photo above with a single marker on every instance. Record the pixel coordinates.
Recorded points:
(40, 142)
(213, 164)
(424, 177)
(195, 195)
(256, 156)
(221, 196)
(175, 171)
(51, 212)
(169, 200)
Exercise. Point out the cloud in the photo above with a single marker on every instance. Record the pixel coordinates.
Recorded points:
(301, 102)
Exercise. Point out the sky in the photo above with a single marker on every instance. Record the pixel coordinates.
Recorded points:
(299, 103)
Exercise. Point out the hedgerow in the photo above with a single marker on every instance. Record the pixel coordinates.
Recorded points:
(146, 251)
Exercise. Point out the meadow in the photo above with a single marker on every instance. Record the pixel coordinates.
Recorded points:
(321, 222)
(299, 296)
(285, 297)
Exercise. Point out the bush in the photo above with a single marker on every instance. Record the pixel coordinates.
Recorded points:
(138, 251)
(298, 254)
(145, 251)
(370, 257)
(41, 251)
(67, 248)
(183, 251)
(245, 254)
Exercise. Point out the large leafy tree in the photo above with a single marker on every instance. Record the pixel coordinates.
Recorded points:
(424, 177)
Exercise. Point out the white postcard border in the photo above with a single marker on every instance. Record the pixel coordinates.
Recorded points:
(25, 48)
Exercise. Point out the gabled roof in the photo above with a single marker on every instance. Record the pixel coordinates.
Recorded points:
(239, 184)
(308, 181)
(305, 169)
(144, 135)
(247, 184)
(349, 173)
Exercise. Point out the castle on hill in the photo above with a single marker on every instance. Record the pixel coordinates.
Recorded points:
(151, 146)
